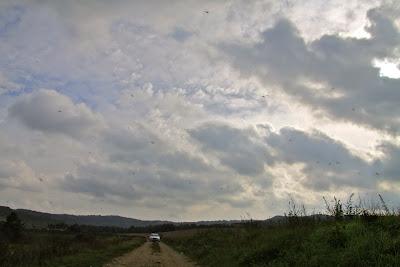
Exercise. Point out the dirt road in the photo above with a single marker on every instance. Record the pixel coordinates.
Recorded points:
(147, 256)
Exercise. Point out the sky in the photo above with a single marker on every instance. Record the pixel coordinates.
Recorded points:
(197, 110)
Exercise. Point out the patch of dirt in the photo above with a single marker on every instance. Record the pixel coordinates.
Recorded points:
(146, 256)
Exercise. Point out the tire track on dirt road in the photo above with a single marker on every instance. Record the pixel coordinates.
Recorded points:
(145, 256)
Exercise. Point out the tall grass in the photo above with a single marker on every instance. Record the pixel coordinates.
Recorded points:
(350, 233)
(51, 249)
(362, 209)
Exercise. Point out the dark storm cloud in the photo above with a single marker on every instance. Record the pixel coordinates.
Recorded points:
(332, 74)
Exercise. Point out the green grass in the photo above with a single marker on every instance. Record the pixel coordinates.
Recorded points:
(343, 243)
(96, 258)
(65, 249)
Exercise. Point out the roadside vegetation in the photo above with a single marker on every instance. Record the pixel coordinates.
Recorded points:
(348, 235)
(74, 246)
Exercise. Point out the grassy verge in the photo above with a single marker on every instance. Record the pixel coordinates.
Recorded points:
(344, 243)
(96, 258)
(65, 249)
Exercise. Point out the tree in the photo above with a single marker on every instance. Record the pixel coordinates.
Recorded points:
(13, 227)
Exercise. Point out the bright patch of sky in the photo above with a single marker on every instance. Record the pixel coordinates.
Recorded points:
(388, 68)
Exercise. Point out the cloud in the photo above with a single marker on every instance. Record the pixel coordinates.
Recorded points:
(142, 185)
(8, 86)
(51, 112)
(139, 145)
(17, 174)
(332, 74)
(387, 166)
(169, 112)
(327, 164)
(238, 149)
(9, 17)
(324, 163)
(180, 34)
(136, 165)
(101, 186)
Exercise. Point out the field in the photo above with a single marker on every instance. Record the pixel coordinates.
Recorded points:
(65, 249)
(348, 234)
(349, 241)
(369, 241)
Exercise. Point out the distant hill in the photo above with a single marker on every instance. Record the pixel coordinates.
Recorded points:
(35, 219)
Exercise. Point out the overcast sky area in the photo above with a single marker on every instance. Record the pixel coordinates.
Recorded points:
(197, 110)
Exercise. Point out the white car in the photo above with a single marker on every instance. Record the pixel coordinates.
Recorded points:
(154, 237)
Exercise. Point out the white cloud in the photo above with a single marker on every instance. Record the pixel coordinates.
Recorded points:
(160, 110)
(351, 88)
(7, 86)
(17, 174)
(49, 111)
